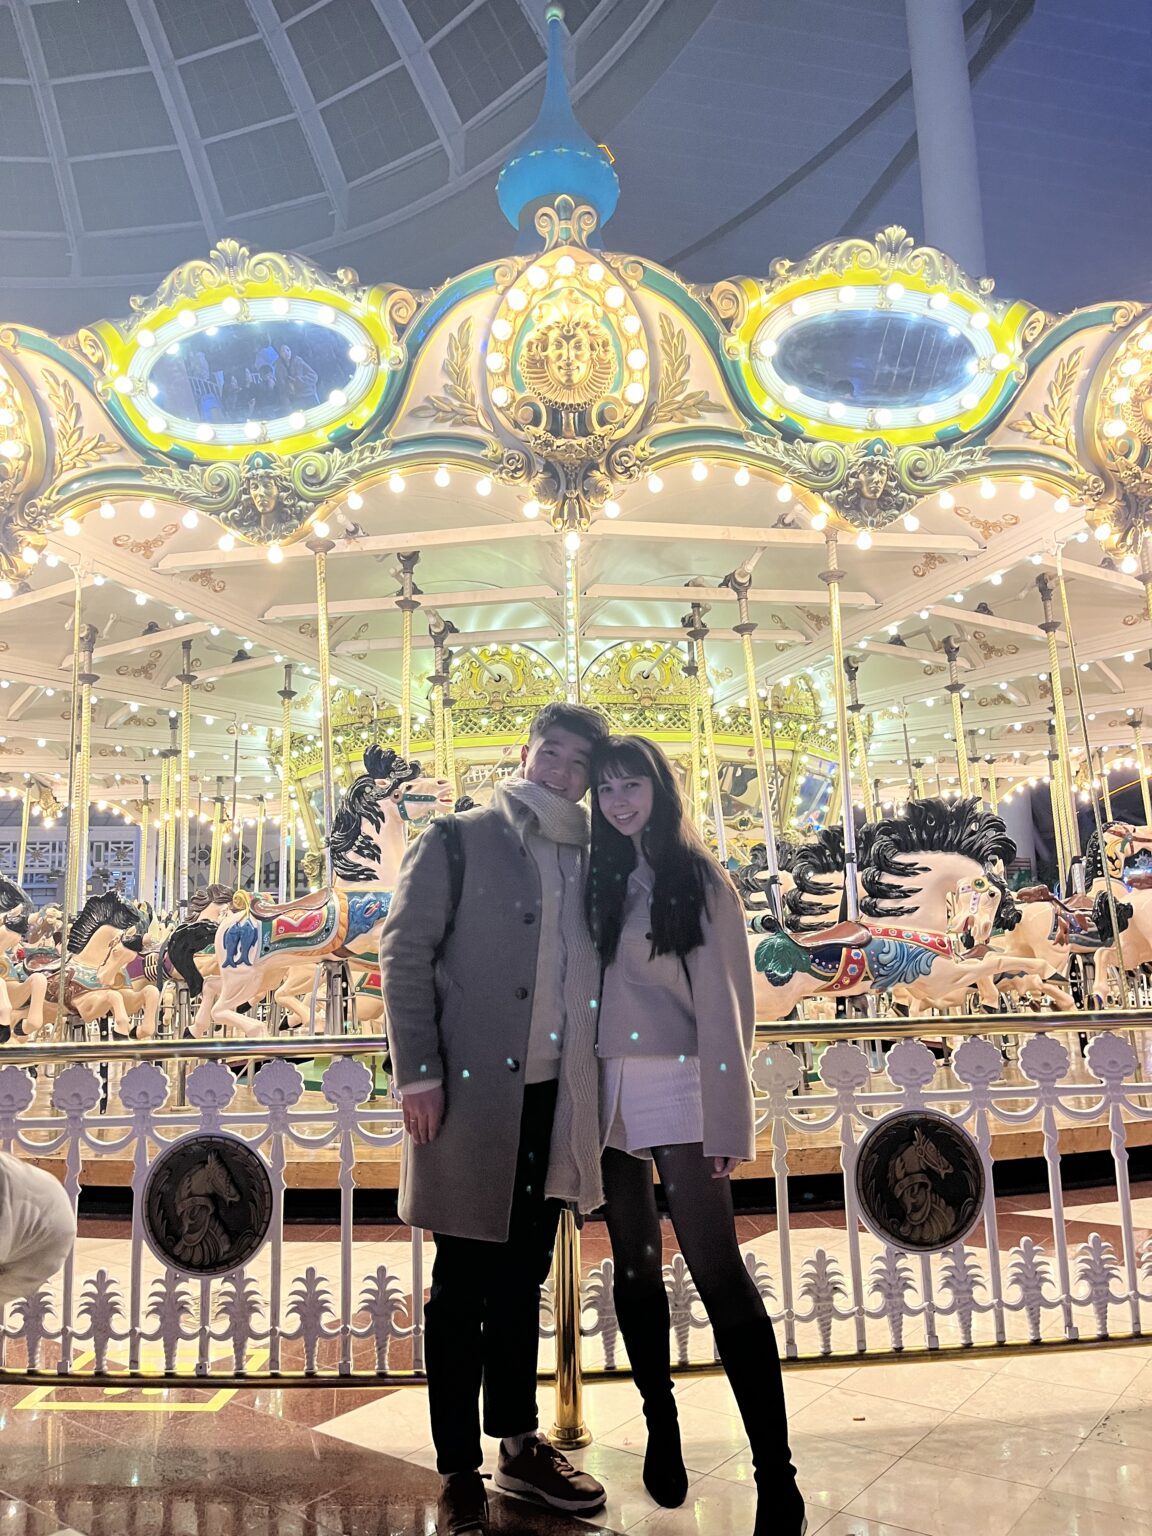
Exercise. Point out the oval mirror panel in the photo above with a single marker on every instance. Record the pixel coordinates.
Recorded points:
(250, 371)
(872, 358)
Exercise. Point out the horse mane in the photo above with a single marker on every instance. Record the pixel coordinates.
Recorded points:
(109, 909)
(930, 826)
(12, 896)
(384, 772)
(210, 895)
(1093, 860)
(815, 860)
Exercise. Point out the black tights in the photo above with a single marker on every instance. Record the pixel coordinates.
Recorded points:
(704, 1222)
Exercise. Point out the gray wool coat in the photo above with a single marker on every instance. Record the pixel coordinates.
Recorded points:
(461, 1182)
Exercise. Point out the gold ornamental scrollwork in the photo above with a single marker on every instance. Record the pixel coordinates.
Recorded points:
(675, 400)
(892, 251)
(1053, 424)
(231, 265)
(1123, 441)
(459, 405)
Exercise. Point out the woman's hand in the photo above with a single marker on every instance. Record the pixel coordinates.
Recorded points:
(423, 1114)
(723, 1166)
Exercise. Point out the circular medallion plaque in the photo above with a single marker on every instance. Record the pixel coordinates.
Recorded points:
(207, 1204)
(919, 1181)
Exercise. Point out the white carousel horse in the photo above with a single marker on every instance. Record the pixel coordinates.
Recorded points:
(103, 939)
(259, 944)
(1132, 893)
(15, 912)
(910, 869)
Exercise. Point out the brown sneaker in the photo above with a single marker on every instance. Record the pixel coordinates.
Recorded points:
(540, 1469)
(463, 1506)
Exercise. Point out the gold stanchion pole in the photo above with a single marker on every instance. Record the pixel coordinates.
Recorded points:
(407, 600)
(699, 802)
(569, 1432)
(855, 708)
(145, 830)
(439, 629)
(832, 578)
(236, 823)
(72, 857)
(186, 677)
(1051, 627)
(1059, 829)
(740, 582)
(1142, 768)
(173, 830)
(572, 623)
(287, 829)
(83, 788)
(162, 834)
(697, 632)
(258, 855)
(955, 688)
(25, 817)
(1105, 786)
(993, 788)
(320, 548)
(217, 832)
(1095, 798)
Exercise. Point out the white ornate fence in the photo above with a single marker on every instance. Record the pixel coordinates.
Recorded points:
(351, 1309)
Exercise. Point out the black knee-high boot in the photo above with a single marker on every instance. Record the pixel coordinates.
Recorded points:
(644, 1326)
(752, 1364)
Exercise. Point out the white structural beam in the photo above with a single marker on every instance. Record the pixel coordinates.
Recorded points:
(144, 642)
(42, 595)
(435, 600)
(778, 596)
(369, 544)
(906, 653)
(229, 669)
(421, 640)
(798, 538)
(968, 618)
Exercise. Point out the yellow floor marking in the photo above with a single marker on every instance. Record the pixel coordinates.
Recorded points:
(134, 1398)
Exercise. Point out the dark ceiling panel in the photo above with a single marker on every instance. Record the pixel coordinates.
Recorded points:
(432, 16)
(267, 166)
(28, 196)
(134, 192)
(341, 44)
(489, 52)
(235, 88)
(193, 25)
(113, 112)
(84, 39)
(12, 63)
(378, 124)
(21, 132)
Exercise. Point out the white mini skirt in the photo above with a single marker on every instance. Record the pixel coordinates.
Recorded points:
(650, 1101)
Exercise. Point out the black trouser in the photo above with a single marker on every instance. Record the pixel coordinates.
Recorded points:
(482, 1320)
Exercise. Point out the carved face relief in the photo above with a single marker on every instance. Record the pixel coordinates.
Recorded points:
(264, 492)
(873, 479)
(569, 361)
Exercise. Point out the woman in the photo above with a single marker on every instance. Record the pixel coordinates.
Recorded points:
(675, 1028)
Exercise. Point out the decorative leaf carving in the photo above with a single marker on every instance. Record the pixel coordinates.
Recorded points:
(74, 448)
(458, 405)
(674, 400)
(1053, 425)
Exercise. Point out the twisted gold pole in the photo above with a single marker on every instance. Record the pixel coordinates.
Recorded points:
(832, 578)
(1142, 767)
(955, 688)
(84, 787)
(173, 807)
(1051, 627)
(25, 817)
(741, 582)
(186, 678)
(320, 548)
(699, 801)
(145, 831)
(287, 829)
(697, 632)
(1105, 787)
(217, 832)
(855, 709)
(73, 816)
(1095, 798)
(407, 602)
(258, 854)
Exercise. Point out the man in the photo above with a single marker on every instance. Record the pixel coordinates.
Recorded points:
(491, 1022)
(37, 1227)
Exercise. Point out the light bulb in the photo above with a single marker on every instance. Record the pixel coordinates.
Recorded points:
(275, 554)
(355, 501)
(655, 484)
(572, 541)
(911, 522)
(147, 510)
(320, 528)
(226, 542)
(191, 518)
(611, 509)
(699, 471)
(484, 486)
(140, 599)
(1129, 565)
(531, 508)
(742, 476)
(863, 539)
(819, 520)
(1103, 533)
(442, 477)
(987, 489)
(107, 511)
(395, 484)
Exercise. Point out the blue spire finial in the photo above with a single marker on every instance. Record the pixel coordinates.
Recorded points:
(556, 157)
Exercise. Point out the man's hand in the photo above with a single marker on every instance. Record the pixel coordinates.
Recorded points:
(423, 1114)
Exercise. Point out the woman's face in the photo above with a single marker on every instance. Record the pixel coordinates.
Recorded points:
(626, 803)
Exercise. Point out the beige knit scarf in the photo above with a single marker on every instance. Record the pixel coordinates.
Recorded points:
(574, 1158)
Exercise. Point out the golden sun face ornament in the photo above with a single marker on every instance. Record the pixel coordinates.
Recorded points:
(567, 355)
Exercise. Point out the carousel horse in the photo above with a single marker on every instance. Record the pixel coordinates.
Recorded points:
(910, 870)
(257, 945)
(188, 951)
(103, 938)
(15, 913)
(1132, 893)
(751, 879)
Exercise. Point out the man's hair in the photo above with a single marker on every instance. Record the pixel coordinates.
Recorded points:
(576, 718)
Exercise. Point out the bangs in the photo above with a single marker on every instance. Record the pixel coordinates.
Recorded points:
(621, 760)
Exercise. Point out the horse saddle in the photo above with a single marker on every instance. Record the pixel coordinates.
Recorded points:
(1139, 879)
(847, 935)
(310, 903)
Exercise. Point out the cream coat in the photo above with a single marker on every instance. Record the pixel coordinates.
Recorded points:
(461, 1182)
(700, 1006)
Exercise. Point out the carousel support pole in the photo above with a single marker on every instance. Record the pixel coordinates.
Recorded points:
(87, 679)
(407, 600)
(439, 629)
(915, 766)
(1141, 768)
(741, 581)
(691, 673)
(237, 823)
(73, 789)
(258, 854)
(287, 830)
(1051, 627)
(855, 708)
(161, 833)
(832, 577)
(569, 1432)
(145, 832)
(697, 633)
(173, 808)
(1105, 786)
(25, 817)
(955, 688)
(993, 790)
(320, 548)
(1125, 998)
(217, 831)
(975, 772)
(1059, 827)
(185, 678)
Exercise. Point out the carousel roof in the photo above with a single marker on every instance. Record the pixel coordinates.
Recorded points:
(964, 444)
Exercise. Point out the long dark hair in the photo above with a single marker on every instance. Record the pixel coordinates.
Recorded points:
(683, 869)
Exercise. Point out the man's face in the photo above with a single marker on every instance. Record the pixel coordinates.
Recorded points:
(559, 761)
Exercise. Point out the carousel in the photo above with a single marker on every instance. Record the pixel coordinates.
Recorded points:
(289, 558)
